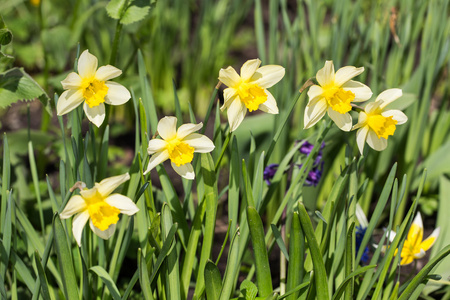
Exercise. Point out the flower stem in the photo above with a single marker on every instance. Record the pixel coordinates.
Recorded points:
(224, 147)
(115, 46)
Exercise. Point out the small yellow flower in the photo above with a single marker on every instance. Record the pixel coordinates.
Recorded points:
(98, 206)
(91, 86)
(334, 95)
(414, 247)
(249, 90)
(35, 2)
(178, 146)
(376, 124)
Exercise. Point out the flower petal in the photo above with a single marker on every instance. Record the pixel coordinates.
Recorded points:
(249, 68)
(362, 92)
(156, 159)
(78, 224)
(156, 145)
(346, 73)
(270, 106)
(200, 142)
(236, 113)
(72, 81)
(314, 112)
(361, 216)
(185, 171)
(325, 76)
(167, 127)
(314, 92)
(123, 203)
(429, 242)
(87, 65)
(267, 76)
(362, 118)
(229, 76)
(104, 234)
(95, 114)
(88, 193)
(361, 136)
(343, 121)
(107, 72)
(229, 95)
(407, 260)
(388, 96)
(415, 233)
(420, 254)
(186, 129)
(108, 185)
(117, 94)
(397, 115)
(75, 205)
(68, 101)
(376, 143)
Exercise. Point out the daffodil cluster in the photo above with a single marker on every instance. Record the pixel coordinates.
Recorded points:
(336, 94)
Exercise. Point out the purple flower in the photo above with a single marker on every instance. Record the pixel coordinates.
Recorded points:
(359, 235)
(269, 172)
(306, 148)
(314, 175)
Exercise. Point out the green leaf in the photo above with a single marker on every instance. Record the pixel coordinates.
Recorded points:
(68, 277)
(5, 35)
(347, 280)
(16, 84)
(213, 281)
(136, 12)
(143, 276)
(115, 7)
(42, 277)
(248, 289)
(107, 280)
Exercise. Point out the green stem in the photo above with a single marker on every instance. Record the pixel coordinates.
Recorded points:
(224, 148)
(115, 46)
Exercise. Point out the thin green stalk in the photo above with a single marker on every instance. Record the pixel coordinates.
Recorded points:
(224, 148)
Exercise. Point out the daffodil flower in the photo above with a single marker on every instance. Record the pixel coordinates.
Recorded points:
(249, 90)
(334, 95)
(99, 207)
(376, 123)
(414, 246)
(178, 146)
(90, 86)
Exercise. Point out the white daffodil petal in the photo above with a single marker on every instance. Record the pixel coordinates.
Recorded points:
(185, 171)
(314, 112)
(362, 118)
(87, 65)
(167, 127)
(249, 68)
(88, 193)
(236, 113)
(371, 107)
(123, 203)
(200, 142)
(388, 96)
(229, 76)
(361, 136)
(267, 76)
(107, 72)
(72, 81)
(78, 224)
(156, 159)
(104, 234)
(108, 185)
(229, 95)
(343, 121)
(68, 101)
(75, 205)
(397, 115)
(156, 145)
(95, 114)
(376, 143)
(314, 92)
(346, 73)
(361, 216)
(270, 106)
(325, 76)
(362, 92)
(186, 129)
(117, 94)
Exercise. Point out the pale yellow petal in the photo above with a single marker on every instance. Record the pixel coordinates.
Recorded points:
(187, 129)
(156, 145)
(397, 115)
(78, 224)
(343, 121)
(267, 76)
(156, 159)
(167, 127)
(123, 203)
(315, 92)
(186, 171)
(200, 142)
(361, 136)
(270, 106)
(361, 91)
(346, 73)
(117, 94)
(236, 113)
(95, 114)
(249, 68)
(72, 81)
(325, 76)
(388, 96)
(68, 101)
(104, 234)
(75, 205)
(108, 185)
(314, 112)
(107, 72)
(376, 143)
(87, 65)
(229, 77)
